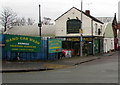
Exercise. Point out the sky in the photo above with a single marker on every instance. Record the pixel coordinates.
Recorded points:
(54, 8)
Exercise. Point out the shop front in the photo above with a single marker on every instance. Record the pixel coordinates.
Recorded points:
(90, 46)
(72, 44)
(98, 45)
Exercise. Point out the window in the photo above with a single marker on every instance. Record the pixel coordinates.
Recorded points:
(96, 26)
(99, 31)
(73, 26)
(101, 28)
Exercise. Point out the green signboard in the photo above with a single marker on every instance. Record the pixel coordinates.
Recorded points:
(54, 45)
(20, 43)
(73, 26)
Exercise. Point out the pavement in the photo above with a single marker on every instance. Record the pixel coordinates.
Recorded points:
(26, 66)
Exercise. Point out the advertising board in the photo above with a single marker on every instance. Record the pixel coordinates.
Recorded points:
(54, 45)
(22, 43)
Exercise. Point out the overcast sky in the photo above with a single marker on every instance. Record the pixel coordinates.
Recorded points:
(55, 8)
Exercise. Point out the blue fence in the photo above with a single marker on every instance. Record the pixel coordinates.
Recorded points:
(1, 42)
(42, 55)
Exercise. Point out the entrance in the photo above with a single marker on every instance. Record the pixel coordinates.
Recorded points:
(87, 48)
(73, 46)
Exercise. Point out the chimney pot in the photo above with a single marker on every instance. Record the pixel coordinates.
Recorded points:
(87, 12)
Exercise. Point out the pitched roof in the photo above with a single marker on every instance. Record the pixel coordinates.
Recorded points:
(32, 30)
(109, 31)
(95, 19)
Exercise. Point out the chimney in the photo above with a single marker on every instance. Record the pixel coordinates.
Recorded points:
(87, 12)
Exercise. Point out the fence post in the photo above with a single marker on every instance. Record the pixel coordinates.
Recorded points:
(47, 49)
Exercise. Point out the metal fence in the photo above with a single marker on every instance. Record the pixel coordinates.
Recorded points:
(1, 41)
(28, 56)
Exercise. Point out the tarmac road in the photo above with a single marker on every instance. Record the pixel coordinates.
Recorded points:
(104, 70)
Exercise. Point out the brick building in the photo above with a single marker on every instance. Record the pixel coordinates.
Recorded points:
(116, 29)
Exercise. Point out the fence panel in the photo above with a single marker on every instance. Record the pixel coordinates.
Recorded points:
(41, 55)
(23, 56)
(0, 52)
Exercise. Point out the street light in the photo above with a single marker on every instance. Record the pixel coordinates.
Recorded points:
(81, 32)
(39, 24)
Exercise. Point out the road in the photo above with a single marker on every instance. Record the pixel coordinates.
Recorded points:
(104, 70)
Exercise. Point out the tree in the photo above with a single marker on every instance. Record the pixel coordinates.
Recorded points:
(0, 31)
(7, 18)
(30, 21)
(46, 21)
(23, 21)
(17, 22)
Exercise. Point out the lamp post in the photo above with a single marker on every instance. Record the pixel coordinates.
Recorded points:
(39, 24)
(81, 31)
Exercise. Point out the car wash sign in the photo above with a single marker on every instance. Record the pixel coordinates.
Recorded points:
(54, 45)
(19, 43)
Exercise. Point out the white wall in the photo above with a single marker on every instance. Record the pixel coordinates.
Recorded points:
(61, 24)
(108, 44)
(95, 29)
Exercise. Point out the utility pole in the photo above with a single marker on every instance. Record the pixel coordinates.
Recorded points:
(39, 24)
(81, 31)
(92, 37)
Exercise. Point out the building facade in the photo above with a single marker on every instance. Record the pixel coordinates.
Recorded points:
(115, 26)
(90, 25)
(108, 38)
(68, 26)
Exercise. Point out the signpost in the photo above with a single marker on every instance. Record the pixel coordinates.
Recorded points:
(20, 43)
(54, 45)
(40, 24)
(81, 52)
(81, 31)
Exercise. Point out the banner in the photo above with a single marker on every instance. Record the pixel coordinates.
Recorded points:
(22, 43)
(54, 45)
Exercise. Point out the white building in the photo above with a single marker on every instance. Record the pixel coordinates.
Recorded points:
(108, 38)
(90, 24)
(68, 26)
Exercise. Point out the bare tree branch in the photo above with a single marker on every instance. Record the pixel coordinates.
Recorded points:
(7, 17)
(30, 21)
